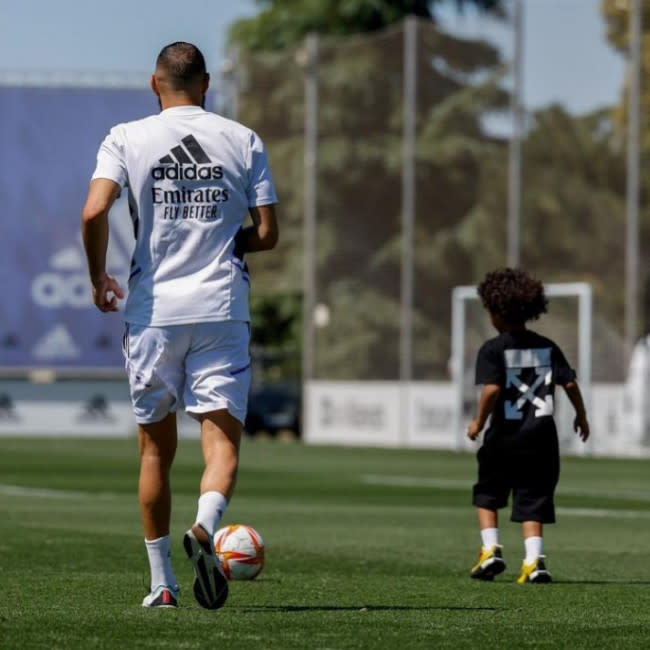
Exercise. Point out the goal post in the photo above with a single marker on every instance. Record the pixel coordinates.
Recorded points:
(459, 366)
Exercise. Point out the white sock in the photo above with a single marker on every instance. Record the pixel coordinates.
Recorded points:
(533, 546)
(160, 562)
(212, 505)
(489, 537)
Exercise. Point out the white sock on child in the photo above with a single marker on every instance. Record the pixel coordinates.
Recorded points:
(534, 546)
(212, 505)
(489, 537)
(160, 562)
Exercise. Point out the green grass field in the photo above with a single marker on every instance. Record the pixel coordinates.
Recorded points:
(366, 548)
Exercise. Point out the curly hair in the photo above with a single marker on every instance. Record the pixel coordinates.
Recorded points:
(513, 294)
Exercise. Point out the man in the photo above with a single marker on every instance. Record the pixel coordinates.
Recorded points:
(192, 176)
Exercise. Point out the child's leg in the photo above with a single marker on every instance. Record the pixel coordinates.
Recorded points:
(488, 522)
(490, 560)
(533, 568)
(489, 494)
(532, 532)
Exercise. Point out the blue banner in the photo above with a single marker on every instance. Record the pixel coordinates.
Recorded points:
(49, 139)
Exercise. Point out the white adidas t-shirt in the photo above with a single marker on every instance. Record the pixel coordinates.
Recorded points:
(191, 176)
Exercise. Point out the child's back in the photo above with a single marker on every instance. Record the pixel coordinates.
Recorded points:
(527, 366)
(518, 370)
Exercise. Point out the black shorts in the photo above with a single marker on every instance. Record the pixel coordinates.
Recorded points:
(530, 474)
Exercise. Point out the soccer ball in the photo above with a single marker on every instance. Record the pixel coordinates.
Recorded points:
(240, 551)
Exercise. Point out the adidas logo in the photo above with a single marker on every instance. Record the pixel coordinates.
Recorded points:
(56, 344)
(69, 258)
(187, 162)
(64, 283)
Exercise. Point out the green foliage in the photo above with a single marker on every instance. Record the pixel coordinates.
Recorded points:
(285, 23)
(616, 15)
(573, 187)
(366, 548)
(359, 181)
(276, 330)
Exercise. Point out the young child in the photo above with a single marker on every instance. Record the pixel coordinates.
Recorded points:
(519, 370)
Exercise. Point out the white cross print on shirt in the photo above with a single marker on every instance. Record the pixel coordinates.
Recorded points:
(518, 360)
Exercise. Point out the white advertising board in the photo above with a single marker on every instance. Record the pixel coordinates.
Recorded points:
(353, 413)
(431, 415)
(73, 408)
(370, 414)
(421, 414)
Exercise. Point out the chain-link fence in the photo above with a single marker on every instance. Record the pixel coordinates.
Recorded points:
(408, 162)
(411, 156)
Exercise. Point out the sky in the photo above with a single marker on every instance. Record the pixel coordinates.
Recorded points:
(566, 56)
(119, 35)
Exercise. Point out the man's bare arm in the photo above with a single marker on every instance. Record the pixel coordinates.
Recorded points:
(94, 230)
(262, 235)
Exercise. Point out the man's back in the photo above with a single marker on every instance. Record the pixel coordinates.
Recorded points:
(192, 176)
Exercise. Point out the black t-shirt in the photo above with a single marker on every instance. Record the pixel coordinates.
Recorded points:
(527, 366)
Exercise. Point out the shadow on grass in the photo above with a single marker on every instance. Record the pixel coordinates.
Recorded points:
(600, 582)
(359, 608)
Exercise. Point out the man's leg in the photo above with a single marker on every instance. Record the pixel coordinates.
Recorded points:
(157, 444)
(220, 440)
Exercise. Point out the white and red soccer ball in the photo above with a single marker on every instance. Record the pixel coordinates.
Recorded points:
(240, 551)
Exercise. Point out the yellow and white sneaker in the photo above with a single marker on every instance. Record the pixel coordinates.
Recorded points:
(490, 563)
(534, 572)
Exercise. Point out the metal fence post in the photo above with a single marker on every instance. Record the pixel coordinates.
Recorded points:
(514, 158)
(310, 208)
(408, 214)
(632, 189)
(229, 90)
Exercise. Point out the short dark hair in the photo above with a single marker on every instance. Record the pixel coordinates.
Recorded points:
(182, 62)
(513, 294)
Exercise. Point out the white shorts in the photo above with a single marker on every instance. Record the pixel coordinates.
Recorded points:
(202, 367)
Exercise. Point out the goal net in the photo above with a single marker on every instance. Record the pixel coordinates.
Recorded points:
(568, 322)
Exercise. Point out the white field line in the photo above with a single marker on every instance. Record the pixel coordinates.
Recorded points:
(602, 513)
(371, 479)
(421, 481)
(46, 493)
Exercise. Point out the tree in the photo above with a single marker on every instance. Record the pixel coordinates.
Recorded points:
(285, 23)
(573, 203)
(360, 139)
(572, 225)
(617, 22)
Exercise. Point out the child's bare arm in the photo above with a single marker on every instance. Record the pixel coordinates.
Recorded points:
(486, 403)
(580, 424)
